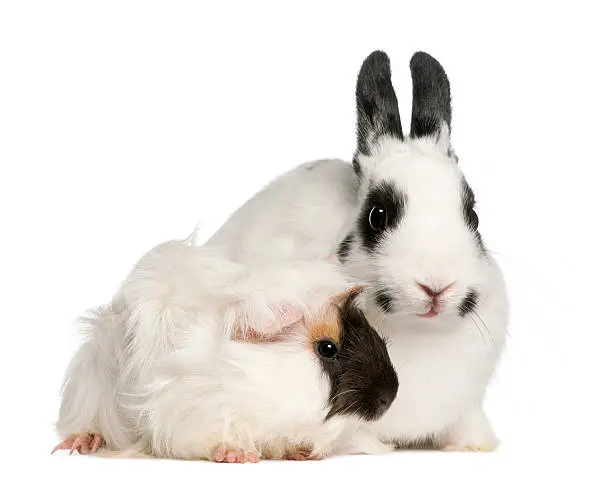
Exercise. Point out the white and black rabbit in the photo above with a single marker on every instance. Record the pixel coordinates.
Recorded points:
(401, 218)
(199, 357)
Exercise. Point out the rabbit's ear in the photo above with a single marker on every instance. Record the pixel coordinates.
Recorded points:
(431, 101)
(377, 110)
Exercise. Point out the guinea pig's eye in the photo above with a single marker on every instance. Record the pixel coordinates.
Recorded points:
(378, 218)
(327, 349)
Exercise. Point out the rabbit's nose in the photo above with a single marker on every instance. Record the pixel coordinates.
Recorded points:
(434, 292)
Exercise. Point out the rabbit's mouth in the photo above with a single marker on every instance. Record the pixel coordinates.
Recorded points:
(434, 311)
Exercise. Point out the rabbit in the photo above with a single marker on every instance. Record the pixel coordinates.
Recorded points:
(198, 357)
(401, 219)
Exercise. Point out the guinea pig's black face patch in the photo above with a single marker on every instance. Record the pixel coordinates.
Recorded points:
(362, 378)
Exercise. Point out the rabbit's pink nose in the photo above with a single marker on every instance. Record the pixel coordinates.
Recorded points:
(434, 292)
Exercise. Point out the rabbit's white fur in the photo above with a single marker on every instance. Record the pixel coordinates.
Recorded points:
(444, 362)
(158, 373)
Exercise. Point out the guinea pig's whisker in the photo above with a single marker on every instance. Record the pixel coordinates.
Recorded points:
(349, 407)
(343, 392)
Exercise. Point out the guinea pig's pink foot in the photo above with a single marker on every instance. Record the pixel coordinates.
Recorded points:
(83, 444)
(238, 455)
(302, 453)
(96, 443)
(64, 445)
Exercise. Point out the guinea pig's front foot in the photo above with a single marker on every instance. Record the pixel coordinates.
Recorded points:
(83, 444)
(302, 453)
(234, 455)
(472, 433)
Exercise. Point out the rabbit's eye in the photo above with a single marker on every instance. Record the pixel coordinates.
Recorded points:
(327, 349)
(378, 218)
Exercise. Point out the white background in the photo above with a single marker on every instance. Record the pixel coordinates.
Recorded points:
(123, 124)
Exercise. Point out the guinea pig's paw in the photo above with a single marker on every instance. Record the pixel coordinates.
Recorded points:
(83, 444)
(302, 453)
(224, 454)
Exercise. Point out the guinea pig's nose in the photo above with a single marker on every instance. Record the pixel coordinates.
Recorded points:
(384, 401)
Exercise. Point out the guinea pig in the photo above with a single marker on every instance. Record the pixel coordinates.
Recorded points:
(290, 395)
(198, 357)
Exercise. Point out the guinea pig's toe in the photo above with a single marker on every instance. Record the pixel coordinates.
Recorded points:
(96, 443)
(219, 455)
(237, 455)
(82, 444)
(64, 445)
(252, 457)
(302, 453)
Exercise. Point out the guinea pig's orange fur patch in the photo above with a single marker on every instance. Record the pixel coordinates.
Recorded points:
(326, 323)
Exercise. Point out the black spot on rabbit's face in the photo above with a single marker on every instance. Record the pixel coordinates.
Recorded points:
(469, 214)
(381, 213)
(362, 378)
(345, 247)
(384, 300)
(469, 303)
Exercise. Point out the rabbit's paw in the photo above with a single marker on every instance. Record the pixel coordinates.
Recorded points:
(82, 444)
(234, 455)
(470, 448)
(473, 433)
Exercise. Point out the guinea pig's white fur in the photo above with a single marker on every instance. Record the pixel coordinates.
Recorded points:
(159, 374)
(268, 399)
(444, 362)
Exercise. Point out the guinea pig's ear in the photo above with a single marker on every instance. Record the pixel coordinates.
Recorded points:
(377, 110)
(275, 323)
(340, 299)
(431, 102)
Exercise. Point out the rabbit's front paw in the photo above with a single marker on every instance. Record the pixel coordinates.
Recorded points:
(473, 433)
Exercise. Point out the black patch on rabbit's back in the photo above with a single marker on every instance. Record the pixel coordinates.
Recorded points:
(387, 195)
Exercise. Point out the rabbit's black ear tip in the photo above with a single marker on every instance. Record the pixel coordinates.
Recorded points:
(378, 54)
(377, 60)
(421, 59)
